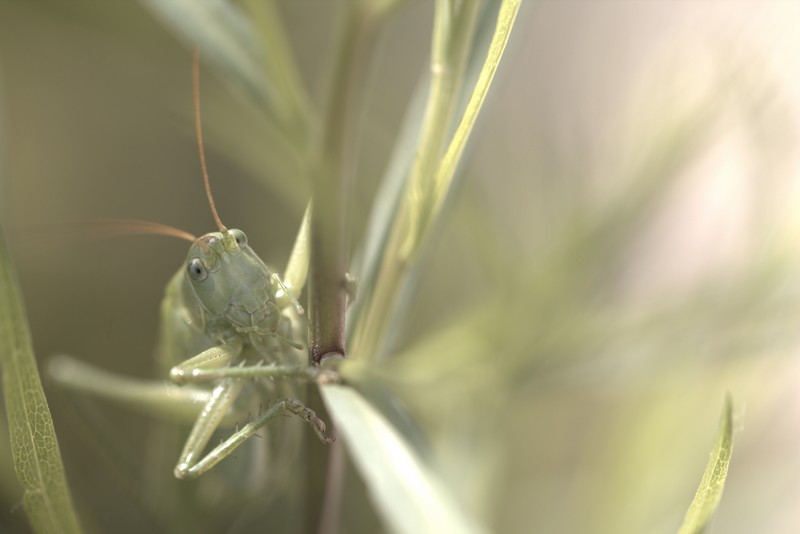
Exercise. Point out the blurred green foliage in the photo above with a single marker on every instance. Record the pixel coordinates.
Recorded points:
(620, 252)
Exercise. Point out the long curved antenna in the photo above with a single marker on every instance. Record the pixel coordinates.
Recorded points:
(138, 227)
(199, 129)
(104, 228)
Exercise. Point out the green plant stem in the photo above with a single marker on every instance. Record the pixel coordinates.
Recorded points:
(330, 177)
(330, 172)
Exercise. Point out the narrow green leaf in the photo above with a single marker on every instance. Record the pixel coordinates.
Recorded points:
(409, 497)
(297, 267)
(386, 270)
(709, 493)
(37, 460)
(453, 30)
(432, 196)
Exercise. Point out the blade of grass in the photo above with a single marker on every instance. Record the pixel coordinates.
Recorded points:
(709, 493)
(443, 177)
(37, 459)
(395, 179)
(454, 27)
(416, 136)
(297, 267)
(432, 173)
(408, 495)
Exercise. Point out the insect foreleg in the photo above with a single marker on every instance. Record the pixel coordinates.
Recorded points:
(224, 449)
(222, 398)
(218, 356)
(298, 372)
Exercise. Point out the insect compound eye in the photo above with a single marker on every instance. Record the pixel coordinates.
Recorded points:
(196, 270)
(241, 239)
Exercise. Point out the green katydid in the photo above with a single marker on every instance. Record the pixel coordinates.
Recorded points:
(225, 301)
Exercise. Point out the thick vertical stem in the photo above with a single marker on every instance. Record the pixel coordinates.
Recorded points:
(331, 174)
(331, 169)
(327, 290)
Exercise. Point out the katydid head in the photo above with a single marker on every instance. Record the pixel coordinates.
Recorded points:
(230, 282)
(207, 252)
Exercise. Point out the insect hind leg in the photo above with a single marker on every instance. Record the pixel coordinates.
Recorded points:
(226, 448)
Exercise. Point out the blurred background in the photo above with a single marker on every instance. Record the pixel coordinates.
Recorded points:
(621, 252)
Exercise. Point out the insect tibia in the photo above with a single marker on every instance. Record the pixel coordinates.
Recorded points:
(190, 467)
(215, 357)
